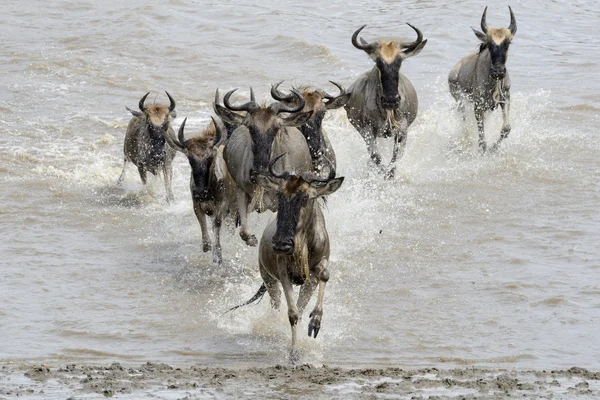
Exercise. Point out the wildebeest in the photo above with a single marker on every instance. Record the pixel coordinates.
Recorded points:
(211, 186)
(262, 132)
(318, 101)
(383, 102)
(294, 248)
(145, 141)
(481, 78)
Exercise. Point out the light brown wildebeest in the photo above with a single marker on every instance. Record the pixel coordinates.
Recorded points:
(383, 102)
(481, 78)
(294, 248)
(145, 142)
(211, 186)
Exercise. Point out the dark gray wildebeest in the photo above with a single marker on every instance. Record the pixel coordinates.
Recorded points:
(211, 186)
(294, 248)
(145, 142)
(318, 101)
(481, 78)
(261, 133)
(383, 102)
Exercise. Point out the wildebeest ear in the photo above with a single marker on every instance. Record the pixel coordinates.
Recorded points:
(480, 36)
(297, 119)
(338, 102)
(415, 51)
(135, 113)
(267, 183)
(319, 189)
(228, 115)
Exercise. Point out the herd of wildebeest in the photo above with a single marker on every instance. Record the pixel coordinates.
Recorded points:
(277, 157)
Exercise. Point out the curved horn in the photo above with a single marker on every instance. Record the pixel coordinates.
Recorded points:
(283, 108)
(219, 130)
(180, 136)
(216, 96)
(249, 106)
(364, 45)
(310, 177)
(330, 97)
(141, 105)
(277, 95)
(285, 175)
(484, 26)
(172, 105)
(252, 97)
(414, 44)
(513, 22)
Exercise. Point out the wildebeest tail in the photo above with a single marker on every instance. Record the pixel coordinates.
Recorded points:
(258, 296)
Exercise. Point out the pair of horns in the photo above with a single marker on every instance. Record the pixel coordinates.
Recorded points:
(306, 176)
(370, 47)
(171, 106)
(279, 96)
(513, 22)
(252, 105)
(219, 129)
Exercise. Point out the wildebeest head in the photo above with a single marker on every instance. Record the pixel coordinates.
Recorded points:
(263, 123)
(295, 193)
(157, 116)
(388, 57)
(497, 41)
(201, 152)
(318, 101)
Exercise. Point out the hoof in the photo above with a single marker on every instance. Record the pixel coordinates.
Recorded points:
(250, 240)
(205, 247)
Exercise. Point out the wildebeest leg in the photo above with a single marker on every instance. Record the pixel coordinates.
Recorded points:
(202, 220)
(168, 177)
(505, 125)
(317, 313)
(142, 172)
(272, 285)
(461, 109)
(120, 180)
(479, 116)
(371, 141)
(399, 146)
(242, 204)
(306, 292)
(216, 249)
(293, 314)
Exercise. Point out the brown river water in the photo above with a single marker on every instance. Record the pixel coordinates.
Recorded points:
(460, 260)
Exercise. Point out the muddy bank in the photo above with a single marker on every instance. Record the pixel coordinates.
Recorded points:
(163, 381)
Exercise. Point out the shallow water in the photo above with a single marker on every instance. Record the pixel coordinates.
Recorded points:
(460, 260)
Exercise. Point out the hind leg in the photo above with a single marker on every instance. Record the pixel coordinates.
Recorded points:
(143, 175)
(272, 285)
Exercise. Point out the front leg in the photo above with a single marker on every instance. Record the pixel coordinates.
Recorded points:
(217, 257)
(202, 220)
(306, 292)
(317, 313)
(399, 146)
(479, 117)
(120, 180)
(293, 315)
(168, 177)
(371, 141)
(505, 124)
(242, 205)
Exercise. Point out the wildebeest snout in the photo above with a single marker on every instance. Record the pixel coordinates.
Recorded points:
(390, 102)
(498, 72)
(283, 245)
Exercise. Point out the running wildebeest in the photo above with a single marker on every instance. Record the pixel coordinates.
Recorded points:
(481, 78)
(383, 102)
(262, 132)
(294, 248)
(211, 186)
(318, 101)
(145, 142)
